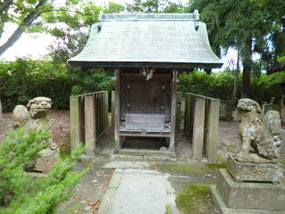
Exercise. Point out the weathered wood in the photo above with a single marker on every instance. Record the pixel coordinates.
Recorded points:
(1, 113)
(198, 128)
(212, 130)
(90, 124)
(173, 111)
(117, 110)
(113, 109)
(74, 122)
(178, 112)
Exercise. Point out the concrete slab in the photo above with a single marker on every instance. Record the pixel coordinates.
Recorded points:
(126, 164)
(138, 191)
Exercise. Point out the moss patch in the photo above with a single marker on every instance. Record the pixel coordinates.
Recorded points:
(168, 209)
(187, 168)
(195, 199)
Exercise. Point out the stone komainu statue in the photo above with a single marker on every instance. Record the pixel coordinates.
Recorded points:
(34, 117)
(261, 138)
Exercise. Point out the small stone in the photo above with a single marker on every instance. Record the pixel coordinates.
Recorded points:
(87, 208)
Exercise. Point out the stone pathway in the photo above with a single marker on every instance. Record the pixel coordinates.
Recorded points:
(138, 191)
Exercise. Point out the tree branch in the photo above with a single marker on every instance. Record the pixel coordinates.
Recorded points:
(5, 5)
(22, 27)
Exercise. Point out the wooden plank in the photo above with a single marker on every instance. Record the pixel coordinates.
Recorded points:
(187, 115)
(198, 128)
(74, 121)
(212, 130)
(90, 133)
(113, 109)
(173, 111)
(117, 110)
(178, 112)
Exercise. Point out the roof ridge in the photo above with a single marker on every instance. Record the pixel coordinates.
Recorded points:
(149, 17)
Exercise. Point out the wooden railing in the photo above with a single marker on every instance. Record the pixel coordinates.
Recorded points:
(201, 124)
(88, 119)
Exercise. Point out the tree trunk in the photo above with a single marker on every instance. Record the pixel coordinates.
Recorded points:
(234, 98)
(247, 62)
(22, 27)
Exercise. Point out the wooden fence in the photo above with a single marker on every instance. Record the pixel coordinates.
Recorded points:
(201, 124)
(88, 119)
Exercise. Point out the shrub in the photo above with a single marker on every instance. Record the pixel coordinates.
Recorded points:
(17, 152)
(19, 191)
(24, 79)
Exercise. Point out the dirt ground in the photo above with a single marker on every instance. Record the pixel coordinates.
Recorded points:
(59, 123)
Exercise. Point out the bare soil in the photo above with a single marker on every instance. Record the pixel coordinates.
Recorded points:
(59, 123)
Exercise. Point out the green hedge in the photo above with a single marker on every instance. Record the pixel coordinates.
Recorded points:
(220, 85)
(25, 79)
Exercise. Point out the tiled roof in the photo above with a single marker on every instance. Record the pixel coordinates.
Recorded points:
(156, 39)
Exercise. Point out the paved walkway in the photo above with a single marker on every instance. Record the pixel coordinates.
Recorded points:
(138, 191)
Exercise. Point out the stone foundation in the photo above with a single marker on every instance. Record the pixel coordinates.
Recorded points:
(262, 172)
(247, 197)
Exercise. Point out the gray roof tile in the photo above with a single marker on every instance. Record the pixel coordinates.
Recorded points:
(147, 38)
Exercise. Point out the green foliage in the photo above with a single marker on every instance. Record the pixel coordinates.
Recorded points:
(220, 85)
(19, 191)
(94, 80)
(17, 152)
(155, 6)
(25, 79)
(188, 200)
(249, 26)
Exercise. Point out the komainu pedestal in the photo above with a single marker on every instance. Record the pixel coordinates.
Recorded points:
(233, 197)
(251, 184)
(261, 172)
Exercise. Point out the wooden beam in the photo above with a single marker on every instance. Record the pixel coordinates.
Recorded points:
(173, 111)
(117, 110)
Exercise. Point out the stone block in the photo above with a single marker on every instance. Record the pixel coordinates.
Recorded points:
(262, 172)
(249, 195)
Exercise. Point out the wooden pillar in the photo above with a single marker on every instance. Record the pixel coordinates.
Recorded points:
(113, 109)
(117, 110)
(173, 111)
(75, 136)
(90, 124)
(212, 130)
(198, 128)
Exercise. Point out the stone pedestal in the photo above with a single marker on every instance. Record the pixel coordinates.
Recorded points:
(263, 172)
(247, 198)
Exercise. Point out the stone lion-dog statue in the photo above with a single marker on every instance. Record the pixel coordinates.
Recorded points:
(34, 117)
(261, 138)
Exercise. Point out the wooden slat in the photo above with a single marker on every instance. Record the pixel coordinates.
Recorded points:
(178, 112)
(212, 130)
(198, 128)
(74, 122)
(90, 133)
(113, 109)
